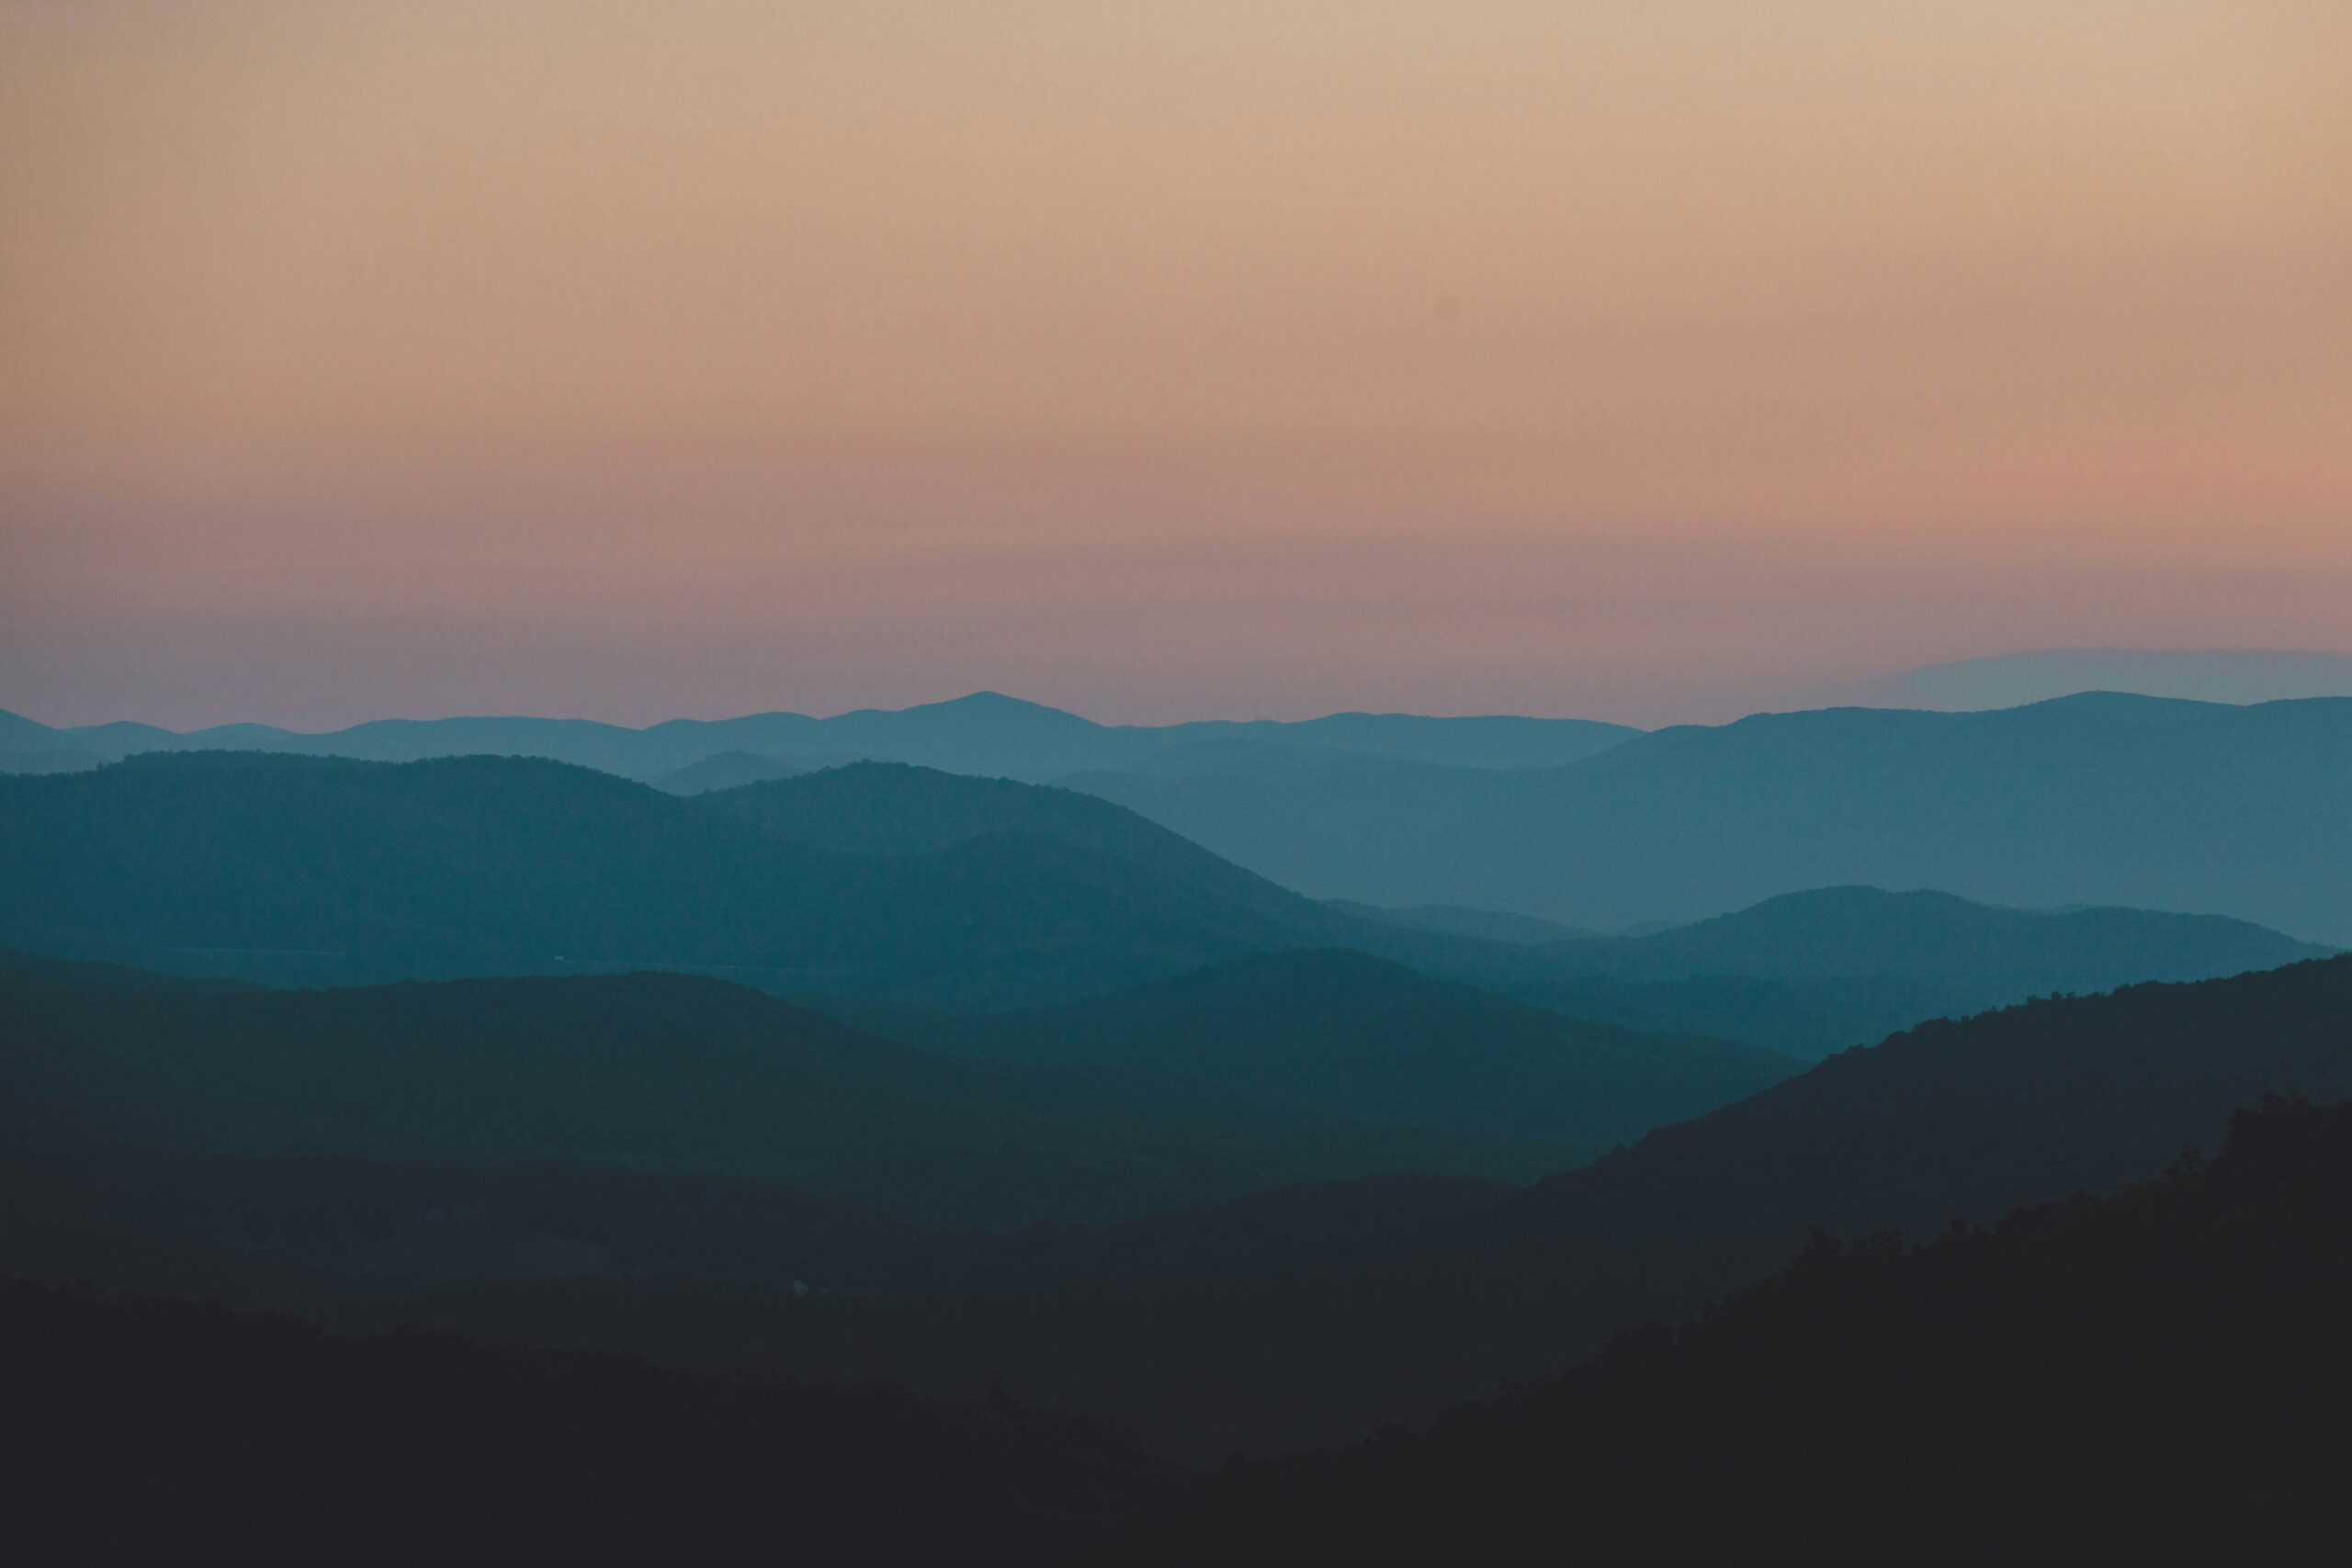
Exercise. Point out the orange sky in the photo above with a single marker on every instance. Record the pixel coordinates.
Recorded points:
(1643, 361)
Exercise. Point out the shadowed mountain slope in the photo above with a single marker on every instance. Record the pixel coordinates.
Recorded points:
(891, 809)
(1452, 920)
(733, 770)
(1361, 1037)
(653, 1072)
(1814, 972)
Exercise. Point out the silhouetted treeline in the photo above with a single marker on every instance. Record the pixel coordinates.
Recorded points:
(2143, 1377)
(2157, 1376)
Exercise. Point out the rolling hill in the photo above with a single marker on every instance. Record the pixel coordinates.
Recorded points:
(1313, 1314)
(323, 870)
(907, 883)
(663, 1073)
(892, 808)
(1370, 1307)
(1357, 1036)
(1975, 950)
(1452, 920)
(733, 769)
(1814, 972)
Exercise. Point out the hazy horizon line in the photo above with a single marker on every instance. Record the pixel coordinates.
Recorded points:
(1882, 693)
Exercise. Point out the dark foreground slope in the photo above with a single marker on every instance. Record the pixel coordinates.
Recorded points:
(302, 1233)
(1352, 1035)
(1318, 1343)
(1285, 1319)
(1970, 1119)
(2134, 1378)
(149, 1429)
(1290, 1320)
(2154, 1376)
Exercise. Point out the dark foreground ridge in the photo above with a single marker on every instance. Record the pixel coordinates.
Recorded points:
(144, 1427)
(2135, 1377)
(2155, 1376)
(1278, 1322)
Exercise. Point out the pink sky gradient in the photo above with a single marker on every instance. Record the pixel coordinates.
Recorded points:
(1645, 362)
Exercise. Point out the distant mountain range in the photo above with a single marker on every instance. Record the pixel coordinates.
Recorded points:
(2094, 799)
(983, 733)
(889, 881)
(2090, 799)
(2244, 675)
(733, 770)
(1015, 1093)
(320, 870)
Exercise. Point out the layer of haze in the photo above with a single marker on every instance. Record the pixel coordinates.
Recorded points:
(1647, 360)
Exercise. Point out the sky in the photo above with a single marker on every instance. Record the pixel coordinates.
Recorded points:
(1647, 361)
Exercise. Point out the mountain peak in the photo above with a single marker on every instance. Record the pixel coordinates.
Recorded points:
(990, 703)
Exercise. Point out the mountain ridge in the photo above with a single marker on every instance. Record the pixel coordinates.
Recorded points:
(984, 732)
(2147, 803)
(487, 865)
